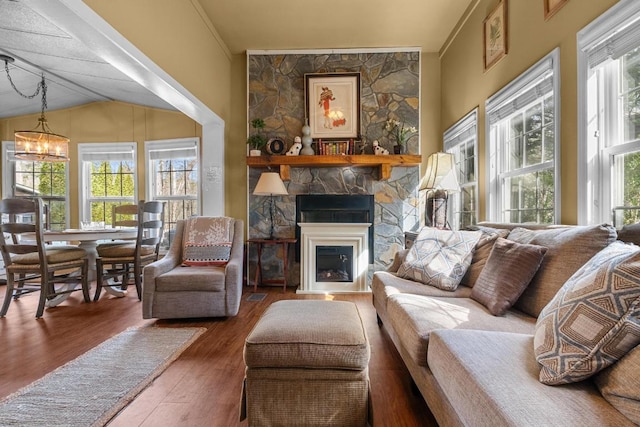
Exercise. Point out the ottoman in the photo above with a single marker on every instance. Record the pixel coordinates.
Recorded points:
(307, 365)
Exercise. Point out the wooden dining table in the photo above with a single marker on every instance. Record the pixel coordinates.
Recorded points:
(88, 240)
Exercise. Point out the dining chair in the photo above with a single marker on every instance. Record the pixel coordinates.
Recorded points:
(32, 266)
(116, 264)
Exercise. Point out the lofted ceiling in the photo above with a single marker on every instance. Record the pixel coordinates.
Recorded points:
(78, 73)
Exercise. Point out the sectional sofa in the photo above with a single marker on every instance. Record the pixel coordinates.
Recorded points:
(476, 368)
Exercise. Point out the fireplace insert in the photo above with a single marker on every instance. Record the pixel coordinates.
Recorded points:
(335, 208)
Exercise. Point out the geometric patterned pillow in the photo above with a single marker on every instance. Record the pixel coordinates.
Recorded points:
(207, 240)
(439, 258)
(593, 320)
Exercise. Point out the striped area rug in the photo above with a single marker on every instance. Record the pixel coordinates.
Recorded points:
(91, 389)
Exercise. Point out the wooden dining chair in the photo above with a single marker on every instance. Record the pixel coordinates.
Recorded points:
(117, 264)
(32, 266)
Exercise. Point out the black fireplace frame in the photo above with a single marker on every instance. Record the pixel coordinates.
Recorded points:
(332, 206)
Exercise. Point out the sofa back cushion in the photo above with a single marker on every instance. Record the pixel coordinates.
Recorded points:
(568, 249)
(620, 385)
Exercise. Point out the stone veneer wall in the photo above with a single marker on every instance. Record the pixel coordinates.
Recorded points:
(390, 86)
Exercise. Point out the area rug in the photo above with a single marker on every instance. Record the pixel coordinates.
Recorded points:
(91, 389)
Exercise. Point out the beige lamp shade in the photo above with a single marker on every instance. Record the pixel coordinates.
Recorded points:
(270, 184)
(440, 173)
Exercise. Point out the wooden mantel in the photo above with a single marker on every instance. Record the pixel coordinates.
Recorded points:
(384, 163)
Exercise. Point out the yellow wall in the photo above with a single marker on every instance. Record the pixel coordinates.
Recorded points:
(465, 85)
(180, 39)
(430, 99)
(106, 122)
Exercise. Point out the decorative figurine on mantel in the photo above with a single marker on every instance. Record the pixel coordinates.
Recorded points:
(294, 150)
(378, 149)
(306, 139)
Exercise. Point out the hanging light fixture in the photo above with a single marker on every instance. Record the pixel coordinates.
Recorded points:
(38, 144)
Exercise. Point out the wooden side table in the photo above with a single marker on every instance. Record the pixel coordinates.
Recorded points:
(260, 243)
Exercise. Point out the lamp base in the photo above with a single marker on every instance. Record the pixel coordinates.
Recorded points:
(436, 210)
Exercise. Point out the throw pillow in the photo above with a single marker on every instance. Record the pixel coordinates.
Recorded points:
(439, 258)
(481, 252)
(509, 269)
(568, 249)
(207, 241)
(593, 320)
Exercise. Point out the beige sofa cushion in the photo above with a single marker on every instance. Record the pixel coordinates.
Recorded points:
(568, 249)
(414, 317)
(594, 319)
(620, 385)
(491, 379)
(439, 258)
(509, 269)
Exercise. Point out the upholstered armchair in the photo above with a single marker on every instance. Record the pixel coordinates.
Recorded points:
(194, 279)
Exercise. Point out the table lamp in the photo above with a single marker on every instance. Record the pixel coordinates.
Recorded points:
(439, 180)
(270, 185)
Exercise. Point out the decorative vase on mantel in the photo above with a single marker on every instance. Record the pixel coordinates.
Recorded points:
(306, 139)
(399, 149)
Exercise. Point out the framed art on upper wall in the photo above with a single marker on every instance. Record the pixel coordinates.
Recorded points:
(552, 6)
(495, 35)
(333, 104)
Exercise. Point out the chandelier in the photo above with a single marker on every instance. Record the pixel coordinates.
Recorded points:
(39, 144)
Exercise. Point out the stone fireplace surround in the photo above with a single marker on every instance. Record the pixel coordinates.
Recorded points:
(390, 85)
(395, 211)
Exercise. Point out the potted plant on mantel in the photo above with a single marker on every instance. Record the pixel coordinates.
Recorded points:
(400, 132)
(257, 141)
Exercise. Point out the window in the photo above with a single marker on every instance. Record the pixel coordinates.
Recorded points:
(522, 122)
(461, 140)
(47, 180)
(172, 168)
(609, 117)
(107, 178)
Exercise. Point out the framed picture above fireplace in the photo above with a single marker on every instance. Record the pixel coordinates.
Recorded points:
(333, 105)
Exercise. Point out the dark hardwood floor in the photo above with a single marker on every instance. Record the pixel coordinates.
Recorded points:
(202, 387)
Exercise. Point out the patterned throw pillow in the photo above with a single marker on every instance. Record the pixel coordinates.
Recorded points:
(207, 241)
(509, 269)
(593, 320)
(439, 258)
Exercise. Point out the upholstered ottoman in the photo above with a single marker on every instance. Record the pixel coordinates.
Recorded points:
(307, 365)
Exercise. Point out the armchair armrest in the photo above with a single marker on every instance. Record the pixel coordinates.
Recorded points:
(233, 270)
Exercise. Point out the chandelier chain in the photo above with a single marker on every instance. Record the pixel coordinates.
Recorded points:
(6, 68)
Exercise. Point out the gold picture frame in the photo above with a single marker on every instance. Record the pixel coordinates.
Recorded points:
(333, 105)
(495, 35)
(552, 6)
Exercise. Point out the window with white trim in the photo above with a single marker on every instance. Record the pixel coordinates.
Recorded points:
(107, 178)
(29, 179)
(461, 140)
(172, 177)
(609, 117)
(522, 125)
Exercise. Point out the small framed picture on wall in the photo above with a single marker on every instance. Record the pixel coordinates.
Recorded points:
(495, 35)
(552, 6)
